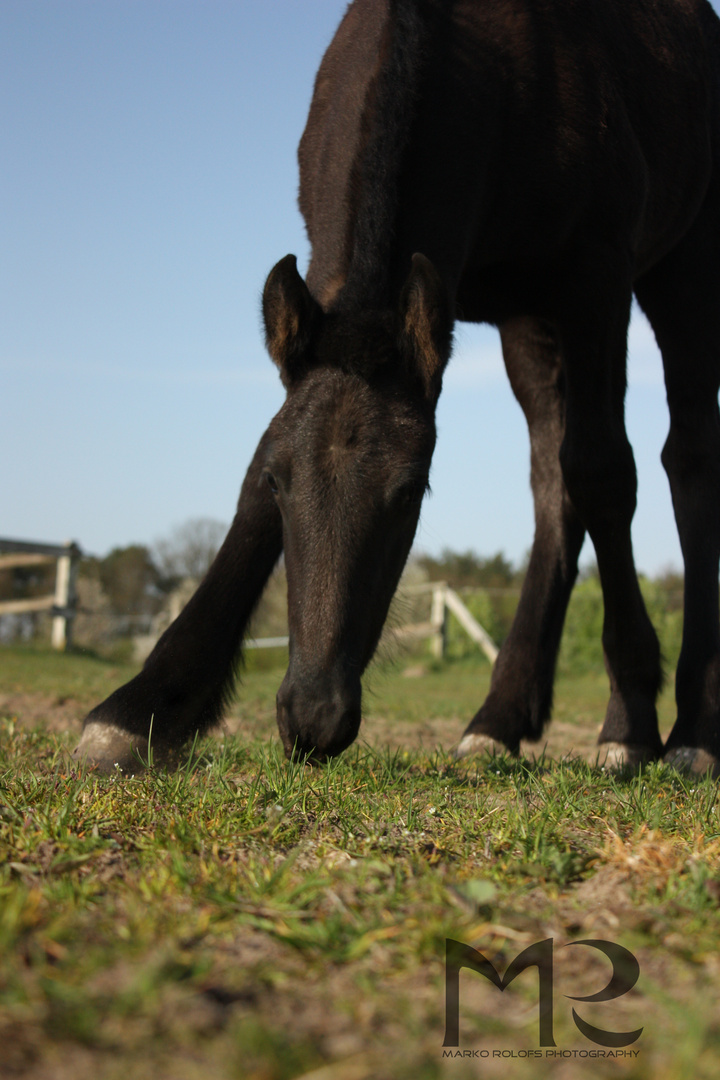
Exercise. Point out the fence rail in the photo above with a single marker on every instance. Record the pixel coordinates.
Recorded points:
(266, 643)
(444, 599)
(63, 602)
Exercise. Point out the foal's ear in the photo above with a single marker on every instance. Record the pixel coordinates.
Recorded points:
(289, 314)
(426, 320)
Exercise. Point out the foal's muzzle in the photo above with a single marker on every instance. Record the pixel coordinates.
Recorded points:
(319, 717)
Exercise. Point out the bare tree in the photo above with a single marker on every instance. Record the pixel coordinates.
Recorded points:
(189, 550)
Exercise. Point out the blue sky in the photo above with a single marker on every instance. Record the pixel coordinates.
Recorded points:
(148, 185)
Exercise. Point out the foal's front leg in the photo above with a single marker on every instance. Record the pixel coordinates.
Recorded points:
(520, 699)
(189, 675)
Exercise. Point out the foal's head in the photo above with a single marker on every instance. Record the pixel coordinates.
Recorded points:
(347, 462)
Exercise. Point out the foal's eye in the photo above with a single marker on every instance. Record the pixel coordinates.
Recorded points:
(411, 493)
(272, 483)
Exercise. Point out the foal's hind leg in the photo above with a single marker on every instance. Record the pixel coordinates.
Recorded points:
(520, 698)
(599, 471)
(681, 297)
(190, 673)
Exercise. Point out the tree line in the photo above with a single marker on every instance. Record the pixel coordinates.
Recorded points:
(122, 593)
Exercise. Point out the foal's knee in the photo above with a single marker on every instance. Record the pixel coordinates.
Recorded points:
(692, 450)
(601, 480)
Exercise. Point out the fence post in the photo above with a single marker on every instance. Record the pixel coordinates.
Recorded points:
(438, 620)
(65, 597)
(471, 625)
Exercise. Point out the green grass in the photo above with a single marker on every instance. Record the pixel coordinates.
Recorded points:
(40, 670)
(247, 917)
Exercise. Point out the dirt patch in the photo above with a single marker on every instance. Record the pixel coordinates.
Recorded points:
(562, 738)
(55, 713)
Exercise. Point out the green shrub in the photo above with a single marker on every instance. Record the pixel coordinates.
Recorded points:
(581, 648)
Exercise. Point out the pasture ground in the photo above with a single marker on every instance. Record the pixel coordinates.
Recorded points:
(248, 918)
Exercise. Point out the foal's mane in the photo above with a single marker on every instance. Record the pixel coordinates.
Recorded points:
(387, 123)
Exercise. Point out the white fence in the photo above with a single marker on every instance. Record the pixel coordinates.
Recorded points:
(444, 600)
(63, 602)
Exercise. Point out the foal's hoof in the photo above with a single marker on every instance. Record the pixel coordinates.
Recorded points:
(480, 744)
(620, 755)
(690, 759)
(111, 750)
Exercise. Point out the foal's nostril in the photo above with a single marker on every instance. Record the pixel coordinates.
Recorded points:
(319, 719)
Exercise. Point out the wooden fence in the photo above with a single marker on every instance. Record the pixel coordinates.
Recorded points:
(63, 602)
(445, 600)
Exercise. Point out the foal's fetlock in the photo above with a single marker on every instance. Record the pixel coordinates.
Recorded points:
(693, 760)
(113, 751)
(485, 745)
(623, 755)
(630, 733)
